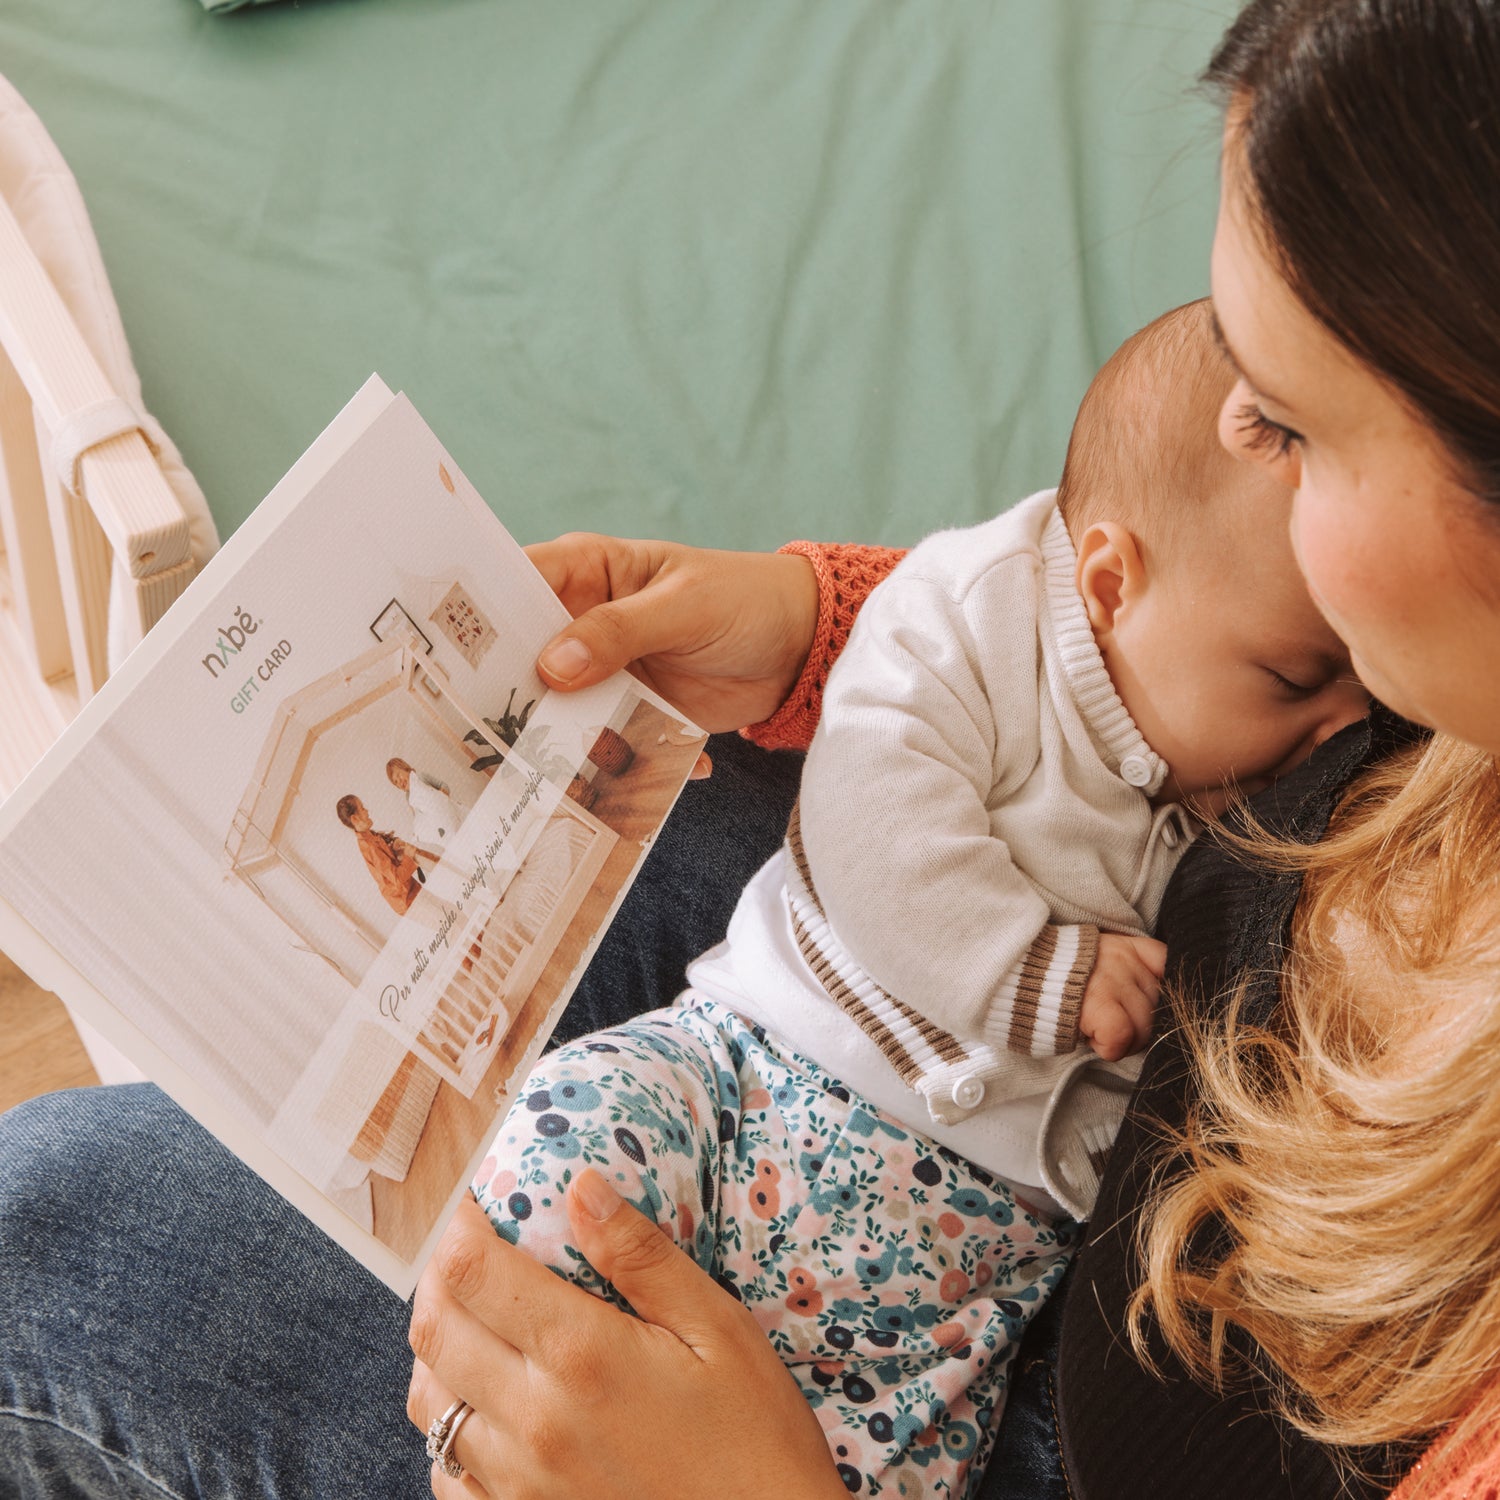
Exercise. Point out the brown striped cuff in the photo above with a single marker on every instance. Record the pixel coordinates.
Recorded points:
(1036, 1013)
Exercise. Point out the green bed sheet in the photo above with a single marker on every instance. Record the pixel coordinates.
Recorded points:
(729, 271)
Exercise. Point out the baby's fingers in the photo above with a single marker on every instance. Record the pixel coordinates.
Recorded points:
(1139, 1007)
(1109, 1030)
(1152, 954)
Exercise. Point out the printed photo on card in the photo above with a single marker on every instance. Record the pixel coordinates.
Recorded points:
(326, 857)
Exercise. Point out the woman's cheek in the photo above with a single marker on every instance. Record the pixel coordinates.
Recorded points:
(1349, 574)
(1324, 549)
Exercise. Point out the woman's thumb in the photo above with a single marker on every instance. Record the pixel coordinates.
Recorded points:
(566, 661)
(601, 641)
(661, 1282)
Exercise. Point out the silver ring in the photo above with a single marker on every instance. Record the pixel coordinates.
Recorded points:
(437, 1433)
(451, 1466)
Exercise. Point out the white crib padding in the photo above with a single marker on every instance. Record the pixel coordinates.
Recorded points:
(45, 198)
(86, 428)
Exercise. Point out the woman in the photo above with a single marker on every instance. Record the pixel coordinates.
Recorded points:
(1354, 270)
(1354, 296)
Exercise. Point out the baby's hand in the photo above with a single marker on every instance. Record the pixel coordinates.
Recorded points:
(1120, 996)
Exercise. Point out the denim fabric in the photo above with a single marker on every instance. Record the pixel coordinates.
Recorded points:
(170, 1328)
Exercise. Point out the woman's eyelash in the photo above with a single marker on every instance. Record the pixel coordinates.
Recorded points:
(1263, 436)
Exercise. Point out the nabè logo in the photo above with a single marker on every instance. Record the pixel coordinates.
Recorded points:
(232, 640)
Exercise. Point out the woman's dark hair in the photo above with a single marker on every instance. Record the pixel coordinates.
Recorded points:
(1371, 132)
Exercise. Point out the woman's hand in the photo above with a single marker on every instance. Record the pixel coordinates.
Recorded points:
(573, 1397)
(721, 635)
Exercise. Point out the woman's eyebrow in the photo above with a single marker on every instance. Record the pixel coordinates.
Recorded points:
(1222, 344)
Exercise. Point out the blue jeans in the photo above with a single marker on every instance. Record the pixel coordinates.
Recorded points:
(169, 1327)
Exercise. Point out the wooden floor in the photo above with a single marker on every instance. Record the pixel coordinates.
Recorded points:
(39, 1049)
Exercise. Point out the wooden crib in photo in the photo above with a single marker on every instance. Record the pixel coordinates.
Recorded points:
(518, 939)
(463, 1029)
(285, 846)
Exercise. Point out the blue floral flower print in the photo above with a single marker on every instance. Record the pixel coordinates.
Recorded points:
(893, 1278)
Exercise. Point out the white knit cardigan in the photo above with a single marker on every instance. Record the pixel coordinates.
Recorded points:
(975, 810)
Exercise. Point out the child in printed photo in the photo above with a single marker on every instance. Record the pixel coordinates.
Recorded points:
(434, 813)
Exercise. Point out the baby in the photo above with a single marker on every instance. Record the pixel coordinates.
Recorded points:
(881, 1106)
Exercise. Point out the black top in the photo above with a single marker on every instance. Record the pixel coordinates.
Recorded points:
(1125, 1432)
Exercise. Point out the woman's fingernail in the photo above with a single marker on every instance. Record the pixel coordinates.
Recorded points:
(599, 1199)
(565, 659)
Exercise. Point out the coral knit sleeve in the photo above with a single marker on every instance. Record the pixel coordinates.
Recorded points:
(847, 573)
(1459, 1472)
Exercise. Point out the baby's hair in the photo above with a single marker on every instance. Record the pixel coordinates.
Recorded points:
(1144, 447)
(346, 809)
(394, 764)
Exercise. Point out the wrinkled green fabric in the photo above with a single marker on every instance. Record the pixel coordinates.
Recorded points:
(722, 271)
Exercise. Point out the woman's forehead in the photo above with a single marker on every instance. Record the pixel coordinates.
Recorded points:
(1292, 363)
(1258, 323)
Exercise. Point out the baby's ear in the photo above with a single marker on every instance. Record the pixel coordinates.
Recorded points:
(1111, 572)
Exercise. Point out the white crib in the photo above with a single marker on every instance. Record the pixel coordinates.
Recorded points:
(62, 542)
(95, 540)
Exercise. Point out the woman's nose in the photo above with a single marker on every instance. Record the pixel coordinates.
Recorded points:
(1348, 703)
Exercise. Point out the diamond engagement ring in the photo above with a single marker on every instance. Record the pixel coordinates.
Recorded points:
(451, 1466)
(442, 1435)
(440, 1427)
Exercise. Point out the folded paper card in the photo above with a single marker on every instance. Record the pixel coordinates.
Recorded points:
(326, 857)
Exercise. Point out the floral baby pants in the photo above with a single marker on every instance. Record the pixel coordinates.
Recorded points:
(893, 1277)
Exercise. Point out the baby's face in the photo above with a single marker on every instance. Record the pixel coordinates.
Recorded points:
(1224, 662)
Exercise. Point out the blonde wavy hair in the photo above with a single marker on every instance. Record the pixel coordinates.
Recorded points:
(1336, 1194)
